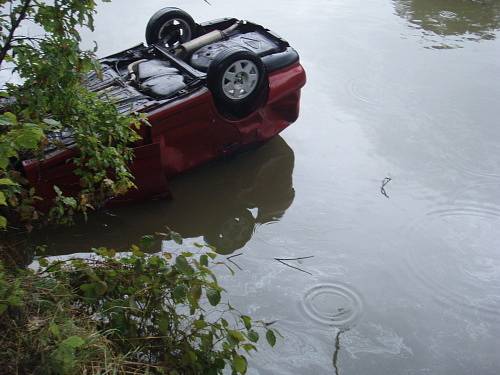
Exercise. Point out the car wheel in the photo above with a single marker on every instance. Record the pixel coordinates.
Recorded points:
(170, 26)
(238, 81)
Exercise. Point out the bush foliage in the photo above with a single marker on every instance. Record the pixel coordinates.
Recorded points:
(133, 313)
(50, 98)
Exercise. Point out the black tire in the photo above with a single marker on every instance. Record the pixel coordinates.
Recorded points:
(182, 29)
(234, 107)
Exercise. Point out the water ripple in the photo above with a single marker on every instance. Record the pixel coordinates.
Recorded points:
(359, 90)
(333, 304)
(454, 253)
(488, 168)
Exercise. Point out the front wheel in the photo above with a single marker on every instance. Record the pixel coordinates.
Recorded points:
(238, 81)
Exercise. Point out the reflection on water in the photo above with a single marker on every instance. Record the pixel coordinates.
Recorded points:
(335, 360)
(223, 203)
(447, 23)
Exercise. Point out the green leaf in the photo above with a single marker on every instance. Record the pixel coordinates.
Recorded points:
(183, 266)
(7, 181)
(57, 190)
(163, 325)
(6, 152)
(89, 290)
(240, 364)
(3, 222)
(253, 336)
(200, 324)
(137, 251)
(176, 237)
(73, 342)
(105, 252)
(204, 260)
(43, 262)
(237, 335)
(15, 300)
(247, 321)
(270, 337)
(51, 122)
(3, 201)
(8, 118)
(54, 329)
(195, 292)
(180, 292)
(28, 137)
(249, 347)
(147, 241)
(213, 296)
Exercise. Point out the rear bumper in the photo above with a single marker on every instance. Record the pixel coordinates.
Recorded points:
(192, 131)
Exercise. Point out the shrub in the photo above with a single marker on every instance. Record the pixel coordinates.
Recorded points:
(134, 313)
(49, 98)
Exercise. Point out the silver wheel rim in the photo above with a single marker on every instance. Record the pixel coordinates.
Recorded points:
(164, 34)
(240, 79)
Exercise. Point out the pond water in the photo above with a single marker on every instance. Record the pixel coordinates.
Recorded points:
(402, 91)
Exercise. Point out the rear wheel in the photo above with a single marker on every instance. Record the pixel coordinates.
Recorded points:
(171, 27)
(238, 81)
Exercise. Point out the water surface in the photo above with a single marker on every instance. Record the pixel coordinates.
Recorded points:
(404, 284)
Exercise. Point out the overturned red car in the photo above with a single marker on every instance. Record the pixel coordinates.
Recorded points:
(208, 90)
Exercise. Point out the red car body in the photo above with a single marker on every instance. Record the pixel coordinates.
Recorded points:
(185, 132)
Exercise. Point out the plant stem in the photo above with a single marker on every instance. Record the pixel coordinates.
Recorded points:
(8, 41)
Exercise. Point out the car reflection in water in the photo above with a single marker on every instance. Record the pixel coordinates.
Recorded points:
(455, 20)
(225, 203)
(222, 202)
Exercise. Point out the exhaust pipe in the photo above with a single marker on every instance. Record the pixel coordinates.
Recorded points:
(187, 48)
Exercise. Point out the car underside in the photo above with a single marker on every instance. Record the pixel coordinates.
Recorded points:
(208, 91)
(145, 77)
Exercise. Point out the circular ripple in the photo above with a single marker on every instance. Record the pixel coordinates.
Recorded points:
(364, 89)
(333, 304)
(484, 165)
(454, 253)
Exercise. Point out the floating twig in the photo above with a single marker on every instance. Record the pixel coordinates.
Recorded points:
(385, 181)
(300, 258)
(283, 261)
(233, 256)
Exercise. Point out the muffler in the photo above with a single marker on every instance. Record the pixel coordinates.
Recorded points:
(187, 48)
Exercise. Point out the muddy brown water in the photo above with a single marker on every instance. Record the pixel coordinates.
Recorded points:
(407, 90)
